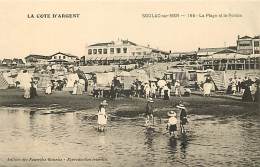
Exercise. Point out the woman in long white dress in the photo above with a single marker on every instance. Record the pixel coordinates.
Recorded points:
(75, 87)
(207, 89)
(177, 86)
(153, 90)
(147, 90)
(26, 84)
(48, 89)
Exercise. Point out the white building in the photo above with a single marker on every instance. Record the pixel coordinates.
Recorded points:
(119, 51)
(63, 58)
(248, 45)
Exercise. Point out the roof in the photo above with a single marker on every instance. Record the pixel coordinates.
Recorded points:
(226, 51)
(130, 42)
(160, 51)
(244, 37)
(38, 57)
(257, 37)
(7, 61)
(226, 56)
(18, 61)
(209, 51)
(112, 43)
(102, 44)
(65, 54)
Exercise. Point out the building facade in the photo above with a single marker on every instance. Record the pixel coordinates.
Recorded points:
(63, 58)
(231, 60)
(37, 59)
(120, 52)
(248, 45)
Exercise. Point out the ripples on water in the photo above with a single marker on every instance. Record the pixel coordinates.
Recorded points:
(57, 133)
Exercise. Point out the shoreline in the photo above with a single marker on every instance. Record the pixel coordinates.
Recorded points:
(123, 106)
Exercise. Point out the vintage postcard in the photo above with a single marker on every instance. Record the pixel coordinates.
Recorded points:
(129, 83)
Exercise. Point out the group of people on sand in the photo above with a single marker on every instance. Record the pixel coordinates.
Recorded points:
(245, 86)
(29, 85)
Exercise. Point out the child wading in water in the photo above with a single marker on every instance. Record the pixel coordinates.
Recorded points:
(183, 117)
(172, 123)
(149, 112)
(102, 116)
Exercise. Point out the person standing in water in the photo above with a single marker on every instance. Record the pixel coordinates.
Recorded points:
(102, 116)
(183, 117)
(149, 111)
(172, 123)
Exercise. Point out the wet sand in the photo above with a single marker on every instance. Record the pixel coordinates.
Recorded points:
(131, 106)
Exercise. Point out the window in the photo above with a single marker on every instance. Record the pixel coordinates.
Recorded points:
(125, 50)
(59, 57)
(256, 51)
(64, 57)
(256, 43)
(112, 50)
(99, 51)
(105, 51)
(90, 51)
(118, 50)
(55, 57)
(94, 51)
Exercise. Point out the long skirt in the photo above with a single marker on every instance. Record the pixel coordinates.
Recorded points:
(102, 119)
(166, 95)
(257, 95)
(48, 90)
(26, 93)
(74, 92)
(80, 89)
(207, 87)
(247, 96)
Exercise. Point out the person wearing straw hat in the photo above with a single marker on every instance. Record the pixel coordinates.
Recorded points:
(102, 116)
(149, 111)
(183, 117)
(172, 123)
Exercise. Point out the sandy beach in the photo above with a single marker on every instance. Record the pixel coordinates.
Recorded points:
(123, 106)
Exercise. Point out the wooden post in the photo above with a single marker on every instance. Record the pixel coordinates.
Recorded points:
(244, 67)
(212, 63)
(248, 62)
(219, 66)
(255, 63)
(235, 62)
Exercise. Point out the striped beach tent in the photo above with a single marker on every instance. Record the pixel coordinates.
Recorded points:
(3, 83)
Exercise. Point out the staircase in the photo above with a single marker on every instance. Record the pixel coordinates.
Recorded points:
(219, 79)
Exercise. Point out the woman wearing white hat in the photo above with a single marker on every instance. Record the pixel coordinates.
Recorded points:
(172, 123)
(102, 116)
(183, 117)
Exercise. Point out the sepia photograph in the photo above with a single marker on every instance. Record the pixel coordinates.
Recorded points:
(144, 83)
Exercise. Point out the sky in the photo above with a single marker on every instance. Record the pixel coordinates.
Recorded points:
(104, 21)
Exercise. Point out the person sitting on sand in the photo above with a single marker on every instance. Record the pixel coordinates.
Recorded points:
(149, 111)
(102, 116)
(183, 117)
(172, 123)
